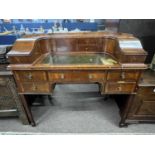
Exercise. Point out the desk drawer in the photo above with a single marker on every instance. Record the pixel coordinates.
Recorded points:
(123, 75)
(30, 76)
(113, 87)
(77, 76)
(30, 87)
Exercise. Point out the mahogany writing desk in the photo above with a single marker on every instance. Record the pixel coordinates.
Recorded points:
(114, 61)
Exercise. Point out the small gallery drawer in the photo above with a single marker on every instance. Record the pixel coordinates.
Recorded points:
(133, 58)
(88, 41)
(147, 93)
(30, 87)
(114, 87)
(123, 75)
(64, 44)
(76, 76)
(146, 108)
(88, 48)
(29, 76)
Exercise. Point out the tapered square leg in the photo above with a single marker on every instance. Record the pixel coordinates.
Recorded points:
(27, 109)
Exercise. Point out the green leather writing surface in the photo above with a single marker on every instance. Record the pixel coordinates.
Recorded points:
(79, 59)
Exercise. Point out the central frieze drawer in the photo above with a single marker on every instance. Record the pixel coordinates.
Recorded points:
(114, 87)
(77, 76)
(123, 75)
(30, 76)
(30, 87)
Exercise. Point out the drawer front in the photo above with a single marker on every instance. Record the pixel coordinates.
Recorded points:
(29, 87)
(30, 76)
(88, 41)
(146, 108)
(88, 48)
(123, 75)
(97, 76)
(147, 93)
(64, 45)
(133, 58)
(113, 87)
(77, 76)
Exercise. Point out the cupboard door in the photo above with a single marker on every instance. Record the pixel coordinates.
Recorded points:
(146, 108)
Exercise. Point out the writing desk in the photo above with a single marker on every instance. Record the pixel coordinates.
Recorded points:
(114, 61)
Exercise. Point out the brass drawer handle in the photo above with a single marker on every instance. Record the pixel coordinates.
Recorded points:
(34, 87)
(90, 76)
(123, 75)
(86, 48)
(119, 88)
(62, 76)
(29, 76)
(154, 90)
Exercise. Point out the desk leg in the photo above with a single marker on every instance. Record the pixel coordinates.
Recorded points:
(126, 111)
(27, 109)
(50, 100)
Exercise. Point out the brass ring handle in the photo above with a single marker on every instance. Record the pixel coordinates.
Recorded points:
(90, 76)
(119, 88)
(34, 87)
(62, 76)
(29, 76)
(123, 75)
